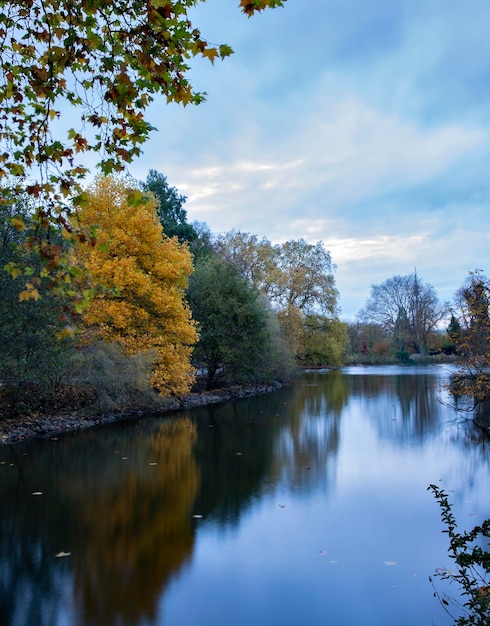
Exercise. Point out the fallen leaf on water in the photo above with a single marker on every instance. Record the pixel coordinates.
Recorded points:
(62, 554)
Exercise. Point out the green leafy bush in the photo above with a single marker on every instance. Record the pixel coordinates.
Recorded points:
(472, 573)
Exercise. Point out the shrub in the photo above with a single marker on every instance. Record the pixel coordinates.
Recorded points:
(473, 568)
(113, 379)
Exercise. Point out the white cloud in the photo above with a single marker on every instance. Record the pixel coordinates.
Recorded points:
(373, 145)
(383, 248)
(334, 161)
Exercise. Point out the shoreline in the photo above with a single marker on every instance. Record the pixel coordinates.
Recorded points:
(18, 430)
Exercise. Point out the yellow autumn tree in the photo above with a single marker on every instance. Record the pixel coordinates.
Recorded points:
(144, 275)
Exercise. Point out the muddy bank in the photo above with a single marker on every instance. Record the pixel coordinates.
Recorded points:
(21, 429)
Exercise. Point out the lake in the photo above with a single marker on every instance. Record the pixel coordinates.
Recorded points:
(306, 506)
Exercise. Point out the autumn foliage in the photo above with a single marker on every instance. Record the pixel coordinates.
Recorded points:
(471, 334)
(77, 78)
(141, 275)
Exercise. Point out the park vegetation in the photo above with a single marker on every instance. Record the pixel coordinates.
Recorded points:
(403, 320)
(140, 277)
(169, 306)
(469, 551)
(469, 329)
(113, 273)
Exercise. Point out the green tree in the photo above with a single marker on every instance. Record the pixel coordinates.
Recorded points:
(255, 259)
(32, 360)
(232, 325)
(277, 363)
(304, 278)
(325, 341)
(105, 61)
(402, 332)
(202, 246)
(454, 329)
(170, 210)
(296, 277)
(454, 332)
(292, 274)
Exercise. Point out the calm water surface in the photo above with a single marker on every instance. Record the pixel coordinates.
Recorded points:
(307, 506)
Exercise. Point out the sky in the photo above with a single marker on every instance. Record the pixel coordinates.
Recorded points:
(364, 125)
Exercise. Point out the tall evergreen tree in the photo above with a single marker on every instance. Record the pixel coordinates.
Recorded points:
(170, 209)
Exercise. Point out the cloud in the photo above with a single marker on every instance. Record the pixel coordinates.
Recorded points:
(364, 126)
(384, 248)
(337, 161)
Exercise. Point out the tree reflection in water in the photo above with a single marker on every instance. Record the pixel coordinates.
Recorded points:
(122, 499)
(121, 504)
(411, 406)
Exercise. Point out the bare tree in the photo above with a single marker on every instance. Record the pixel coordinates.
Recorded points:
(407, 308)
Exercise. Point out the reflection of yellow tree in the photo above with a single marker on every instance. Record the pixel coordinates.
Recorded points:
(126, 522)
(138, 530)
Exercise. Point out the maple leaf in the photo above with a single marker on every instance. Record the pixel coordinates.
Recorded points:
(210, 53)
(225, 51)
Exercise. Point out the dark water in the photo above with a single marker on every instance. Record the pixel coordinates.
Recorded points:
(307, 506)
